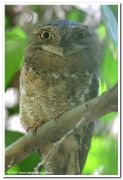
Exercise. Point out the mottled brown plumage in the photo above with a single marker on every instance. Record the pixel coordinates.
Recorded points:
(59, 73)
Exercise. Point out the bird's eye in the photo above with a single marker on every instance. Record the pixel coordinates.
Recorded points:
(45, 35)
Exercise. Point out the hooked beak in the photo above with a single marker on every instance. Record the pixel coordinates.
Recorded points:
(63, 51)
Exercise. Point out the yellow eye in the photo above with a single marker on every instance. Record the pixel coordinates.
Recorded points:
(45, 35)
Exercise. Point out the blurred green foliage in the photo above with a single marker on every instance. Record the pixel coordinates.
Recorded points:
(15, 44)
(26, 165)
(109, 68)
(76, 15)
(11, 137)
(103, 156)
(7, 22)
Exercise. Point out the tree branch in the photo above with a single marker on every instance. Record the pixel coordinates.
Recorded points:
(54, 130)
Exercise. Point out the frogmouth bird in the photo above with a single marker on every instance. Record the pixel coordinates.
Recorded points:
(58, 74)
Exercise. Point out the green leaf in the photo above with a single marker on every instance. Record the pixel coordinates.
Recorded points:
(27, 165)
(13, 171)
(7, 22)
(108, 117)
(76, 15)
(102, 31)
(102, 87)
(15, 43)
(109, 67)
(102, 157)
(11, 137)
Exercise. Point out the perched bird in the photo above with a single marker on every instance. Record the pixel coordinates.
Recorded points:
(59, 73)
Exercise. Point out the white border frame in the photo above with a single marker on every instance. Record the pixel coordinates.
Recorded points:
(2, 111)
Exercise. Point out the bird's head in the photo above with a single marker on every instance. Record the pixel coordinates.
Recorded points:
(64, 38)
